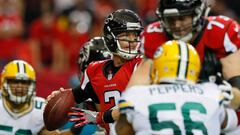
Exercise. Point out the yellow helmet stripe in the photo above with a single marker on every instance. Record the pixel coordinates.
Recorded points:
(183, 61)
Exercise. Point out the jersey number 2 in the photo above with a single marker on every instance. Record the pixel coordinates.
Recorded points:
(189, 124)
(112, 95)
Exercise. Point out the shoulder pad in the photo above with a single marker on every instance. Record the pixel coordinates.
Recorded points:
(39, 99)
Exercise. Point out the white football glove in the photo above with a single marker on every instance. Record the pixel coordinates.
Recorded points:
(224, 86)
(227, 93)
(226, 89)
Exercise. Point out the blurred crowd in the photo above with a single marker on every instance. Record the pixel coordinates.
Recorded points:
(49, 33)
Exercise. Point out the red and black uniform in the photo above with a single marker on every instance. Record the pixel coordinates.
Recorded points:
(107, 81)
(220, 34)
(103, 82)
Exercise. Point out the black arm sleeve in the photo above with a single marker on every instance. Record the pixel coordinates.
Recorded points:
(81, 95)
(91, 93)
(107, 116)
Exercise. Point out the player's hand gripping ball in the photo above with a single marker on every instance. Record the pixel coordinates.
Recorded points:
(56, 110)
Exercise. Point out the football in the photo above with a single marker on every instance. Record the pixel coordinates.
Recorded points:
(57, 108)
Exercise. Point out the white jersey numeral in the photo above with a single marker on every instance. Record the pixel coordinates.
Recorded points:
(152, 28)
(114, 95)
(216, 23)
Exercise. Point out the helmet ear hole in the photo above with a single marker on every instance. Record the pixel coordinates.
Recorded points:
(111, 43)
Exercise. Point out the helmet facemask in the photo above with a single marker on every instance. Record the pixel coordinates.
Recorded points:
(130, 51)
(179, 9)
(183, 32)
(19, 93)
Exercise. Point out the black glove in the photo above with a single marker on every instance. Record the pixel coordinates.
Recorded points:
(211, 66)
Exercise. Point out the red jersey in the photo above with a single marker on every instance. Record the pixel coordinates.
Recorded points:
(106, 86)
(221, 34)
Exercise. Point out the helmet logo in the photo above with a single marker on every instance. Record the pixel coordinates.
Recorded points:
(109, 18)
(158, 52)
(85, 53)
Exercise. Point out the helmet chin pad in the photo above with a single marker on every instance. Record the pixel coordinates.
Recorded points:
(126, 56)
(130, 54)
(185, 38)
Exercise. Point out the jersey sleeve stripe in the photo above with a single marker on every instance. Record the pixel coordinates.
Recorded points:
(125, 106)
(221, 99)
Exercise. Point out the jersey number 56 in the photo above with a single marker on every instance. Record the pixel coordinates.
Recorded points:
(189, 124)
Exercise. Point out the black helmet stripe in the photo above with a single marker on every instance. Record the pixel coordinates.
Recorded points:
(183, 60)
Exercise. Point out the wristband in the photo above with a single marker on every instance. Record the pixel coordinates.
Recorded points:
(99, 118)
(107, 117)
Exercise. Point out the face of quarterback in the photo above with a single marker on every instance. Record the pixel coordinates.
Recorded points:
(129, 41)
